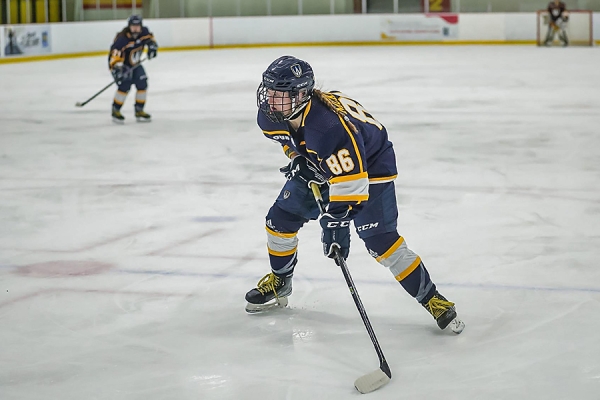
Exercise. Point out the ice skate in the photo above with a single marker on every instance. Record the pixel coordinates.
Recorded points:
(444, 313)
(270, 292)
(117, 117)
(142, 116)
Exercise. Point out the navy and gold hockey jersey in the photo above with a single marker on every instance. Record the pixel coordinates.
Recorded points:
(127, 50)
(351, 161)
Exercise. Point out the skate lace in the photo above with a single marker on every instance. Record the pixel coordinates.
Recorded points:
(437, 306)
(268, 283)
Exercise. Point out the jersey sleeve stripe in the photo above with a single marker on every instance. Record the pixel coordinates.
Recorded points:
(349, 198)
(114, 60)
(350, 190)
(347, 178)
(383, 179)
(289, 152)
(273, 133)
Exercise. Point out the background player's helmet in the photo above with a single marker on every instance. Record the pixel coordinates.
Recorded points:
(134, 20)
(286, 74)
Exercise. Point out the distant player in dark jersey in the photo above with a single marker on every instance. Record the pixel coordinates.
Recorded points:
(123, 62)
(333, 141)
(557, 22)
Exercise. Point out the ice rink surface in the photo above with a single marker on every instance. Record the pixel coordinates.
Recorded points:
(126, 251)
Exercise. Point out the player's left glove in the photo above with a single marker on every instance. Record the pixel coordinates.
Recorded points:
(335, 234)
(152, 50)
(303, 170)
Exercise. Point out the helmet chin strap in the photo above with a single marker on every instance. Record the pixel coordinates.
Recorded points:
(298, 111)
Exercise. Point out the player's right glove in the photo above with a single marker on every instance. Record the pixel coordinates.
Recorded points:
(304, 171)
(335, 234)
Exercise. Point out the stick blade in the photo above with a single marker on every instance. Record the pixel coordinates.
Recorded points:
(372, 381)
(79, 104)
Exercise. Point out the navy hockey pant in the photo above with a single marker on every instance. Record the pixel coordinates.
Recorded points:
(140, 80)
(375, 224)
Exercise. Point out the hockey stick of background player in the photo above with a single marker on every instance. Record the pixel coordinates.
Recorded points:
(80, 104)
(376, 379)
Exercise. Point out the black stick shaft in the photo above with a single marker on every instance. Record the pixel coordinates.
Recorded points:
(96, 95)
(359, 305)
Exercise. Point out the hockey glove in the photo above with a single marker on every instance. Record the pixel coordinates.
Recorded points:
(336, 233)
(152, 50)
(304, 171)
(120, 73)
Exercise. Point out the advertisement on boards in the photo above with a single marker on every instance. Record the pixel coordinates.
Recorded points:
(419, 27)
(26, 40)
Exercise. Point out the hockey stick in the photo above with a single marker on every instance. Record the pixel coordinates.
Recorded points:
(81, 104)
(376, 379)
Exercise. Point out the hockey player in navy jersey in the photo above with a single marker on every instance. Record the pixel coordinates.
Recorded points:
(123, 62)
(333, 141)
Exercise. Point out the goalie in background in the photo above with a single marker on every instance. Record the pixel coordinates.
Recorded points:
(125, 55)
(558, 16)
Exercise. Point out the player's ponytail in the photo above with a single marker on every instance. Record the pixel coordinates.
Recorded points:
(334, 105)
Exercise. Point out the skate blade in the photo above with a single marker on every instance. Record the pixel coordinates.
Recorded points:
(118, 121)
(143, 119)
(282, 302)
(456, 325)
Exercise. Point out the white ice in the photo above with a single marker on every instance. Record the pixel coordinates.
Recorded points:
(126, 251)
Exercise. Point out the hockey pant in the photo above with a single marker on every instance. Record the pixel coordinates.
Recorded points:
(140, 80)
(375, 224)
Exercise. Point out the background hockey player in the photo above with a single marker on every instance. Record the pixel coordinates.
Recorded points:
(557, 22)
(123, 62)
(333, 141)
